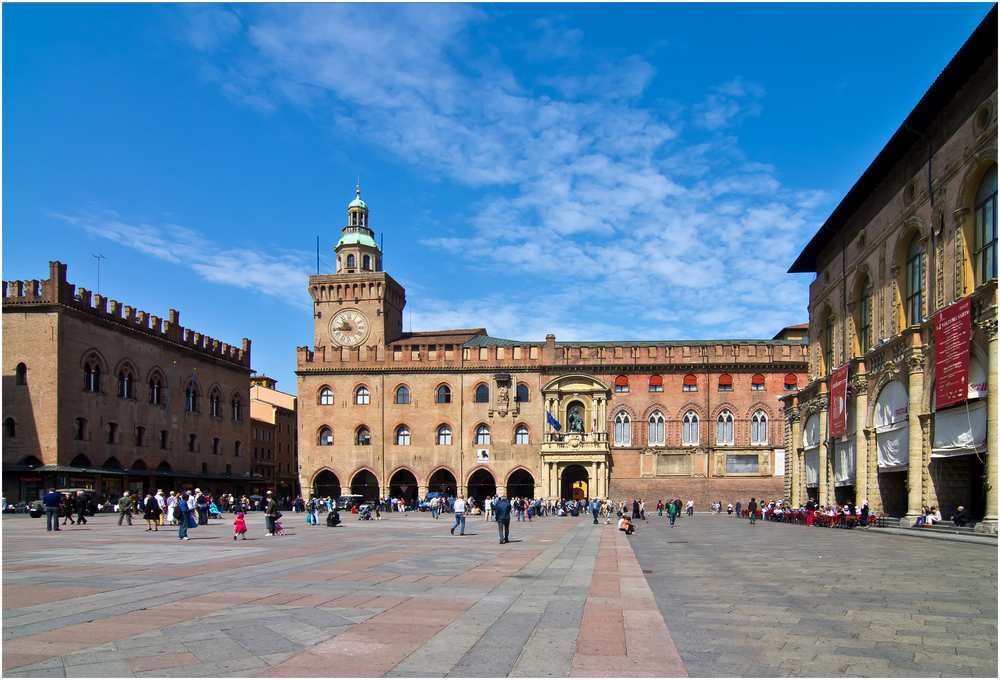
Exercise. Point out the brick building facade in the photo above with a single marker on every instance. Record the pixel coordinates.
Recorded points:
(383, 412)
(99, 395)
(915, 236)
(275, 426)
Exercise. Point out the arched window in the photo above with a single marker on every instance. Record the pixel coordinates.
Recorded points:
(9, 429)
(865, 317)
(482, 394)
(155, 389)
(444, 394)
(350, 261)
(758, 429)
(985, 246)
(724, 429)
(112, 433)
(80, 429)
(363, 437)
(366, 262)
(621, 383)
(126, 383)
(21, 375)
(361, 396)
(403, 395)
(216, 446)
(656, 426)
(521, 434)
(483, 435)
(326, 437)
(791, 381)
(827, 344)
(215, 404)
(623, 429)
(91, 376)
(191, 398)
(444, 436)
(140, 437)
(690, 435)
(914, 282)
(326, 397)
(757, 383)
(522, 393)
(690, 383)
(656, 383)
(192, 442)
(237, 405)
(402, 436)
(725, 383)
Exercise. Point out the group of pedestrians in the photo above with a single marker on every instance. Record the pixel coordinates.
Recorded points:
(500, 509)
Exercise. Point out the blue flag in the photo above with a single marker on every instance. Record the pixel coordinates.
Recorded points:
(552, 421)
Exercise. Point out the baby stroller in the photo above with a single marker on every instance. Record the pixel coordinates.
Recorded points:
(333, 519)
(278, 531)
(364, 512)
(213, 511)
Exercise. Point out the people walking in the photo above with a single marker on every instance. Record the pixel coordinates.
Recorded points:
(185, 511)
(752, 509)
(81, 504)
(125, 509)
(673, 510)
(459, 508)
(52, 502)
(151, 513)
(501, 510)
(595, 507)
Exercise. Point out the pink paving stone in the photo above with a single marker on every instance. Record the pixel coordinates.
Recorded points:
(352, 601)
(434, 578)
(385, 602)
(633, 603)
(226, 597)
(279, 598)
(622, 667)
(27, 595)
(12, 660)
(161, 661)
(313, 600)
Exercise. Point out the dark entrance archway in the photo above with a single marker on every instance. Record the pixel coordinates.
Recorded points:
(575, 483)
(443, 481)
(365, 484)
(404, 485)
(326, 484)
(520, 484)
(482, 484)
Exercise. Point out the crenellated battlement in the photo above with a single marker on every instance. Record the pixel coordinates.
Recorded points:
(57, 291)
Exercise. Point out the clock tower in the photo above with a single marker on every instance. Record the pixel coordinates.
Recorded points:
(359, 306)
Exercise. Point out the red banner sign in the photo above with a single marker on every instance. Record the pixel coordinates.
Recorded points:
(838, 402)
(952, 327)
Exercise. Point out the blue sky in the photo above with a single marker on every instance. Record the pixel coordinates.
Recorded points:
(597, 171)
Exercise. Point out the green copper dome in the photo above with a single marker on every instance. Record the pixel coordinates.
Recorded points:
(357, 203)
(355, 238)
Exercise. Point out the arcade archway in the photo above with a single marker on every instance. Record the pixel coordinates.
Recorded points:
(520, 484)
(404, 485)
(442, 481)
(326, 485)
(482, 484)
(365, 484)
(575, 483)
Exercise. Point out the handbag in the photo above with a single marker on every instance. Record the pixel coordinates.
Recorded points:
(277, 514)
(192, 523)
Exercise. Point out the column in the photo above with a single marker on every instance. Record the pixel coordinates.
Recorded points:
(989, 523)
(825, 450)
(861, 437)
(793, 467)
(915, 471)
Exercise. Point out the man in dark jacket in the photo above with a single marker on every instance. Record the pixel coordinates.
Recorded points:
(501, 510)
(270, 514)
(80, 505)
(752, 509)
(961, 518)
(52, 501)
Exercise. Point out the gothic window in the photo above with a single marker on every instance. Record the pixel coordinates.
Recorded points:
(191, 398)
(521, 435)
(656, 426)
(757, 383)
(403, 395)
(656, 383)
(482, 394)
(444, 436)
(623, 429)
(363, 437)
(215, 404)
(237, 406)
(21, 375)
(725, 383)
(985, 256)
(326, 437)
(155, 390)
(91, 376)
(621, 383)
(690, 383)
(361, 396)
(126, 383)
(724, 429)
(914, 282)
(865, 317)
(522, 393)
(689, 429)
(444, 394)
(483, 435)
(758, 429)
(326, 397)
(402, 436)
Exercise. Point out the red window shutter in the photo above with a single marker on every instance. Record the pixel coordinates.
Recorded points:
(656, 380)
(725, 379)
(790, 379)
(758, 379)
(621, 380)
(690, 380)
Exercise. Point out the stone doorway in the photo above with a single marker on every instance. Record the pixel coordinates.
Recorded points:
(575, 483)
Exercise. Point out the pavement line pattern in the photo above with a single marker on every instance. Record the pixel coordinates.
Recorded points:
(396, 598)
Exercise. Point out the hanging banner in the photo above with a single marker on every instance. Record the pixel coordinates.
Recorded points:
(952, 327)
(838, 402)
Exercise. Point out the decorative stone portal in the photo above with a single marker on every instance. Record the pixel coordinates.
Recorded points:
(576, 458)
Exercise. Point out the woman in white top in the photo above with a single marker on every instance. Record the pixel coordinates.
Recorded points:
(171, 502)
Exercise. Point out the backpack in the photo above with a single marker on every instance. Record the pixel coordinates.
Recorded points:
(310, 505)
(177, 513)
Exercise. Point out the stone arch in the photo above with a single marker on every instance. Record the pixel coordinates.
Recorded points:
(724, 406)
(876, 388)
(364, 482)
(325, 483)
(965, 211)
(481, 483)
(80, 461)
(139, 464)
(656, 406)
(30, 461)
(403, 484)
(164, 466)
(112, 463)
(574, 483)
(759, 406)
(94, 354)
(520, 482)
(443, 480)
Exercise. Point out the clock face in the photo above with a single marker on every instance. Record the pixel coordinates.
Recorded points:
(349, 328)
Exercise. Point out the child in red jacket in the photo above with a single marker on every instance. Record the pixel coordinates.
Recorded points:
(239, 527)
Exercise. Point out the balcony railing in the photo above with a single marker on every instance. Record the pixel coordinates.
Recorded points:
(584, 437)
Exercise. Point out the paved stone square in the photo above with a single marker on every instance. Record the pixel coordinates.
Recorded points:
(402, 597)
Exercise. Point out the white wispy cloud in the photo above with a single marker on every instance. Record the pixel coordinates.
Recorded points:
(653, 216)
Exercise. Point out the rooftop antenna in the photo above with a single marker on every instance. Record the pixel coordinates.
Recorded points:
(317, 256)
(99, 258)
